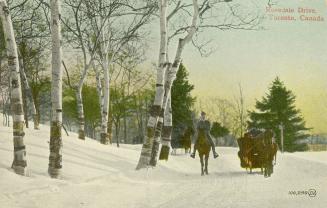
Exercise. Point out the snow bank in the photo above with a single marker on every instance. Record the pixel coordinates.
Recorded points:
(96, 175)
(319, 157)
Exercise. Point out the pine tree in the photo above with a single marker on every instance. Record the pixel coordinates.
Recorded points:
(276, 108)
(182, 100)
(217, 130)
(182, 103)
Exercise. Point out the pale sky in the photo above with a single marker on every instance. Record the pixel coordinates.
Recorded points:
(295, 51)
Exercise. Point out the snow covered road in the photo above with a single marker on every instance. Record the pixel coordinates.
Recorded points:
(95, 175)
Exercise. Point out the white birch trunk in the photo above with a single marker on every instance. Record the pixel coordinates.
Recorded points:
(173, 71)
(156, 140)
(28, 92)
(99, 88)
(79, 100)
(100, 97)
(104, 49)
(106, 94)
(159, 126)
(55, 158)
(19, 164)
(181, 45)
(80, 111)
(156, 108)
(166, 132)
(167, 124)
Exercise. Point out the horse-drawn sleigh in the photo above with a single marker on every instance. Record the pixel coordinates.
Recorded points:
(258, 150)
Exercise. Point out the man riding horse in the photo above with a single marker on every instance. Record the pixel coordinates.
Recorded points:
(203, 129)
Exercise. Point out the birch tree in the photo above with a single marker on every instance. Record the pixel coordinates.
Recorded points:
(81, 36)
(156, 108)
(28, 93)
(4, 78)
(99, 29)
(32, 34)
(19, 164)
(118, 23)
(55, 158)
(171, 75)
(236, 16)
(204, 17)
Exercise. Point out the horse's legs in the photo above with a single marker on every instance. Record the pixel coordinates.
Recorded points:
(270, 165)
(206, 164)
(250, 166)
(201, 161)
(266, 169)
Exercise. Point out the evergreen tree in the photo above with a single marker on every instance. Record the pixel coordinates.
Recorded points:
(218, 131)
(181, 98)
(276, 108)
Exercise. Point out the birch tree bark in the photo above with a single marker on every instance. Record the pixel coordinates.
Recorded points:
(164, 152)
(104, 139)
(236, 19)
(55, 158)
(156, 139)
(166, 132)
(167, 122)
(115, 24)
(87, 41)
(28, 93)
(159, 126)
(80, 110)
(156, 108)
(181, 45)
(99, 87)
(104, 124)
(19, 164)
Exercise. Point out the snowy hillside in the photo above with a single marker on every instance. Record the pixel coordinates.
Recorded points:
(96, 175)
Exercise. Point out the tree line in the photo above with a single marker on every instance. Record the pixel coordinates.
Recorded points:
(109, 38)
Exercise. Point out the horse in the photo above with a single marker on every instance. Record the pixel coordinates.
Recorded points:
(270, 150)
(182, 139)
(204, 149)
(186, 139)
